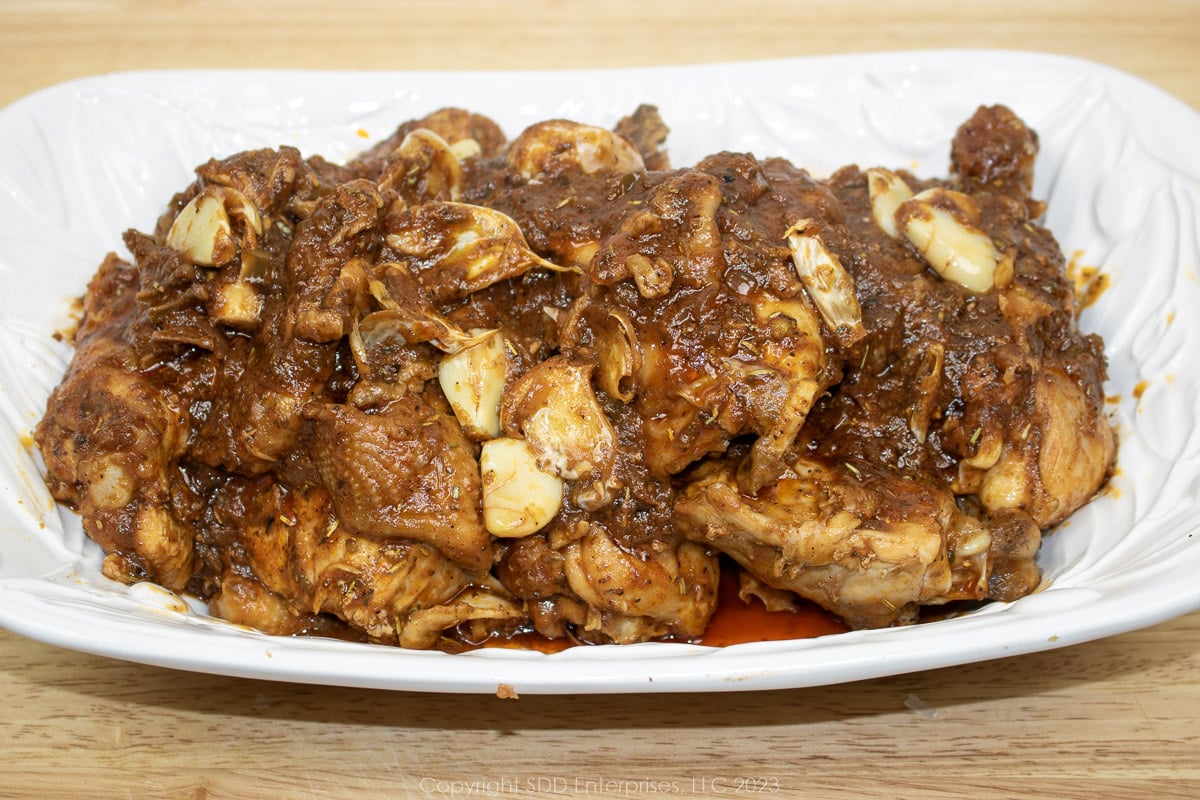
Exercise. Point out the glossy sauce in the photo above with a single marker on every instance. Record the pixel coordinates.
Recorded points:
(737, 621)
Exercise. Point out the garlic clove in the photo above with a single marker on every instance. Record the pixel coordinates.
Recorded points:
(827, 282)
(518, 497)
(887, 191)
(473, 381)
(202, 233)
(413, 325)
(425, 168)
(203, 230)
(465, 247)
(466, 148)
(552, 144)
(619, 355)
(555, 408)
(943, 225)
(237, 304)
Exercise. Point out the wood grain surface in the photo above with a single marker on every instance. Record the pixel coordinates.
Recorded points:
(1115, 718)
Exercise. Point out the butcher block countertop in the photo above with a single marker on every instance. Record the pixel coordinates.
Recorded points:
(1113, 718)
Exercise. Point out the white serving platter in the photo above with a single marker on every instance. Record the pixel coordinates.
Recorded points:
(1119, 166)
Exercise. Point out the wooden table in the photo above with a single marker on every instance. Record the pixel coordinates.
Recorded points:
(1118, 718)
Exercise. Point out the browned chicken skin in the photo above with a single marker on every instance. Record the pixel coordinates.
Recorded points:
(463, 388)
(872, 543)
(110, 437)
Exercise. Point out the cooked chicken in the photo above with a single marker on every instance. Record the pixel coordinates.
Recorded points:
(990, 394)
(255, 417)
(697, 314)
(620, 572)
(111, 437)
(292, 543)
(990, 390)
(866, 542)
(646, 131)
(462, 389)
(406, 472)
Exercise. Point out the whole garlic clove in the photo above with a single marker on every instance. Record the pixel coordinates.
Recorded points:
(473, 382)
(943, 225)
(827, 282)
(466, 148)
(518, 497)
(425, 168)
(887, 191)
(619, 355)
(546, 145)
(555, 408)
(203, 230)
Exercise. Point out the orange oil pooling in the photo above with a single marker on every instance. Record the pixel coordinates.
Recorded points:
(737, 621)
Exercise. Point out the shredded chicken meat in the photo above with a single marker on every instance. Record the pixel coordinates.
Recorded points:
(463, 388)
